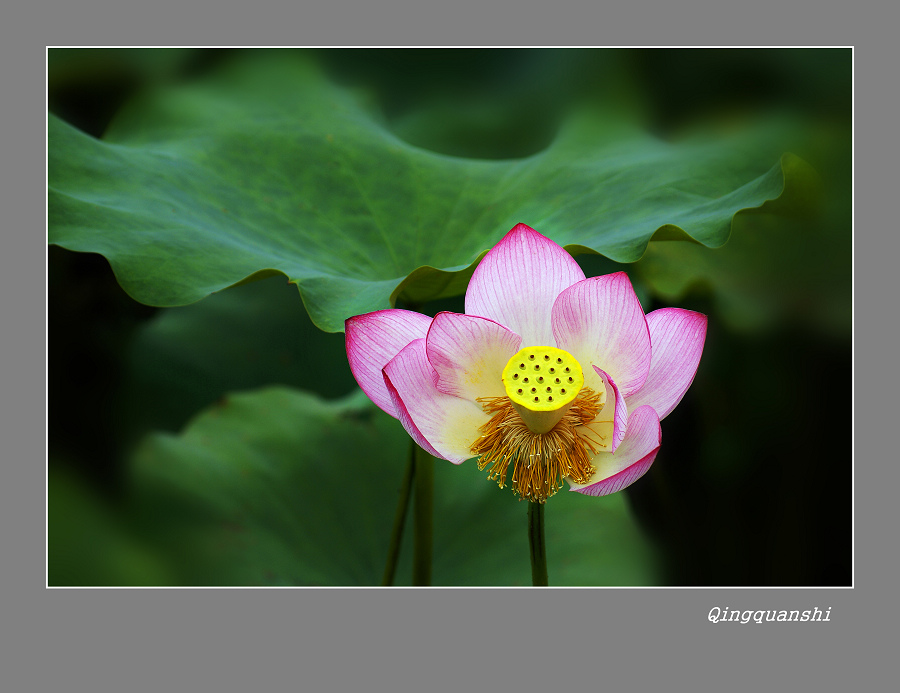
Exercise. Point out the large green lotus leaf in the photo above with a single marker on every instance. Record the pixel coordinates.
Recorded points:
(266, 167)
(278, 487)
(755, 288)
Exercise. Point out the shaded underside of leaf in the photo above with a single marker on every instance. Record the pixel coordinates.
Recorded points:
(266, 167)
(186, 358)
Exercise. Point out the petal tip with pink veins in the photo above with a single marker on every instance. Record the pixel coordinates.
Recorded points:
(678, 337)
(372, 340)
(518, 280)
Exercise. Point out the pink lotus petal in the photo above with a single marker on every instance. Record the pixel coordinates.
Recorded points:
(517, 282)
(601, 323)
(677, 338)
(443, 425)
(618, 413)
(630, 461)
(374, 339)
(469, 353)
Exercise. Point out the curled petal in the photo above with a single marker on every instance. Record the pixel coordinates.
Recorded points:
(630, 461)
(600, 322)
(617, 413)
(517, 282)
(374, 339)
(443, 425)
(677, 338)
(468, 353)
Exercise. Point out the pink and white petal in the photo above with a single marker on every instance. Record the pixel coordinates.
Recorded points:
(615, 410)
(444, 425)
(676, 337)
(630, 461)
(517, 282)
(601, 323)
(469, 353)
(374, 339)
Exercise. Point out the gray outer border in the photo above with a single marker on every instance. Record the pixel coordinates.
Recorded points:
(151, 640)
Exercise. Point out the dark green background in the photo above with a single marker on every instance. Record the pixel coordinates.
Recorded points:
(753, 483)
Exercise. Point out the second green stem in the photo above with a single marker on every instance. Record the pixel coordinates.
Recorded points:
(423, 516)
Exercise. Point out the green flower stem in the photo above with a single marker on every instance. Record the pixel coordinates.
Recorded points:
(537, 544)
(423, 516)
(390, 566)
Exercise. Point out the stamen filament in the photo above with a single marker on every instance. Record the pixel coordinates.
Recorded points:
(539, 461)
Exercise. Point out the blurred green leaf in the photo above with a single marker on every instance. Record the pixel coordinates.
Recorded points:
(278, 487)
(265, 167)
(88, 543)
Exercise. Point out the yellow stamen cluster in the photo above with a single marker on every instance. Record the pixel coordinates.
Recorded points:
(540, 461)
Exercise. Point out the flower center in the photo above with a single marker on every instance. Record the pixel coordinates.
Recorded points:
(541, 427)
(542, 382)
(539, 461)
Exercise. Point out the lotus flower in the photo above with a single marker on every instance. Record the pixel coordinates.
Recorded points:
(549, 373)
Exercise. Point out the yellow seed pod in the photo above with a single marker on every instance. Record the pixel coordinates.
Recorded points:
(542, 382)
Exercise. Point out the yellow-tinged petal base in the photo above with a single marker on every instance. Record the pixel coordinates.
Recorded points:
(540, 461)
